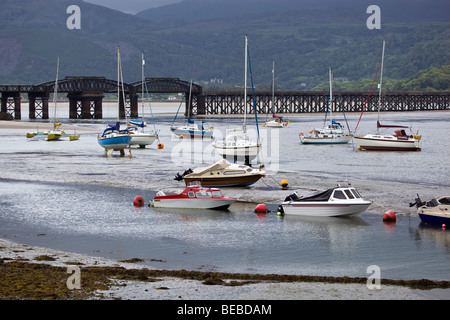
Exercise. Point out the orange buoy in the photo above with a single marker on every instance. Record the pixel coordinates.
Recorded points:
(443, 226)
(261, 208)
(160, 145)
(389, 216)
(138, 201)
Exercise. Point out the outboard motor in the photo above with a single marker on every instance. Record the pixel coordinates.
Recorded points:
(180, 177)
(292, 197)
(418, 202)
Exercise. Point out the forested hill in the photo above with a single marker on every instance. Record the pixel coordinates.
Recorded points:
(204, 40)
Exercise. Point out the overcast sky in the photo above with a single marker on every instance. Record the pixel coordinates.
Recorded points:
(131, 6)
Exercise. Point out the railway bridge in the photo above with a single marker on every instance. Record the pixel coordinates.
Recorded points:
(85, 95)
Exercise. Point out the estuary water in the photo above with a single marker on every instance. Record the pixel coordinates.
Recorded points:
(67, 195)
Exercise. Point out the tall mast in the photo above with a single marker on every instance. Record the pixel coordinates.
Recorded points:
(118, 81)
(189, 101)
(331, 94)
(245, 86)
(273, 84)
(381, 82)
(142, 96)
(55, 92)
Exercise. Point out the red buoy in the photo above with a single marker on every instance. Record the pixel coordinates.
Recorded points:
(138, 201)
(389, 216)
(261, 208)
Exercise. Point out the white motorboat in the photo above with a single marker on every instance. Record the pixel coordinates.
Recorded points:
(337, 201)
(223, 174)
(193, 197)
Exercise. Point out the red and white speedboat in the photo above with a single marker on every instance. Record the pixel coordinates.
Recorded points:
(193, 197)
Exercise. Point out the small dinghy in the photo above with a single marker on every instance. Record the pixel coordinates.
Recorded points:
(193, 197)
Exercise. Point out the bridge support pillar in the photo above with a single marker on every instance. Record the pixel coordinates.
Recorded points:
(85, 105)
(201, 105)
(11, 106)
(38, 105)
(129, 107)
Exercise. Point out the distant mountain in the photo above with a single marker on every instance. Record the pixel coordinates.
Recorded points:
(204, 40)
(197, 10)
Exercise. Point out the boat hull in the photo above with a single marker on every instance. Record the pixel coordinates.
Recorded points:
(387, 143)
(237, 181)
(275, 124)
(142, 139)
(116, 142)
(238, 153)
(192, 133)
(192, 203)
(54, 135)
(331, 140)
(435, 218)
(320, 209)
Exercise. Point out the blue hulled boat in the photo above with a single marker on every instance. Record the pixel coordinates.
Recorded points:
(436, 211)
(114, 139)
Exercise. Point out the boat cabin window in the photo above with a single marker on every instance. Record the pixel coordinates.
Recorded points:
(191, 194)
(349, 194)
(234, 172)
(356, 193)
(217, 194)
(338, 194)
(203, 194)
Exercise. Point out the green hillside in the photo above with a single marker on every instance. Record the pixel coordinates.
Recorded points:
(303, 43)
(432, 79)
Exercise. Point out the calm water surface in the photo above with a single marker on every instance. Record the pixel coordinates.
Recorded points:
(67, 195)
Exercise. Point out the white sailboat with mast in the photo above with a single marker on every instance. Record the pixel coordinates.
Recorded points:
(136, 126)
(277, 121)
(399, 141)
(112, 138)
(191, 128)
(332, 133)
(237, 146)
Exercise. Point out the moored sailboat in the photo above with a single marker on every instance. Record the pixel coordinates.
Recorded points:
(332, 133)
(237, 146)
(191, 129)
(399, 141)
(112, 138)
(139, 136)
(276, 121)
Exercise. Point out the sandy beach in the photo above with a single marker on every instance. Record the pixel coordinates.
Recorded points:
(130, 281)
(32, 125)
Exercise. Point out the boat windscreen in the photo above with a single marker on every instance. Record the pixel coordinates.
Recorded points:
(323, 196)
